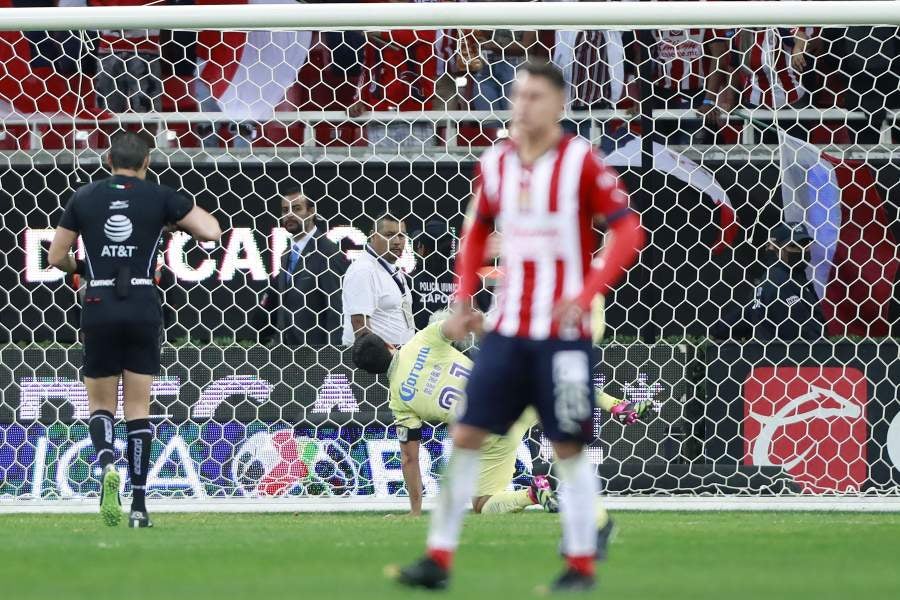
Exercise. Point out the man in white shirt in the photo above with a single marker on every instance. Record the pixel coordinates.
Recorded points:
(376, 293)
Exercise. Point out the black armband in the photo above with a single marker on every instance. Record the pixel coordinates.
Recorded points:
(405, 434)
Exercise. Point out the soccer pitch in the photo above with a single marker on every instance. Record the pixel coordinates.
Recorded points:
(721, 556)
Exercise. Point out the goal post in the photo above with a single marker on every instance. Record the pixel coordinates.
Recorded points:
(757, 140)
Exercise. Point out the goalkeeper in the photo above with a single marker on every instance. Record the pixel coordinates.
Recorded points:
(426, 380)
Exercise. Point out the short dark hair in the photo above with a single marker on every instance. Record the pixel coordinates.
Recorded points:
(292, 190)
(128, 150)
(547, 70)
(371, 354)
(376, 224)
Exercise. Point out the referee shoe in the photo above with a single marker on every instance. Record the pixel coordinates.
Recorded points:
(139, 519)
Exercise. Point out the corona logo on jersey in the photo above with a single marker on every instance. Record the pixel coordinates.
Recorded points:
(811, 422)
(274, 464)
(408, 386)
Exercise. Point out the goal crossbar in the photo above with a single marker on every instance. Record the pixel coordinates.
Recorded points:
(631, 15)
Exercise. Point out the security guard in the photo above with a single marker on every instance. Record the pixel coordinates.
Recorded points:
(785, 307)
(121, 220)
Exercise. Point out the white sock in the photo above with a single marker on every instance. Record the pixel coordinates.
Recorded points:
(578, 505)
(457, 488)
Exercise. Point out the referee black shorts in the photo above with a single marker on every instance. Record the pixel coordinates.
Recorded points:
(110, 349)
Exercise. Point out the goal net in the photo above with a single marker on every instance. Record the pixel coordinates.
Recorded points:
(760, 320)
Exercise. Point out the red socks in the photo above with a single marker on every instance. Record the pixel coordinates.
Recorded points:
(444, 558)
(582, 564)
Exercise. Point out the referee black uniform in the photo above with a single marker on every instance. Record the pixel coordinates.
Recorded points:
(121, 221)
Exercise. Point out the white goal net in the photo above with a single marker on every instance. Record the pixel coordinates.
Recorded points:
(761, 319)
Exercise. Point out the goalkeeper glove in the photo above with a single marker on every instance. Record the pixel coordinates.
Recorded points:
(628, 412)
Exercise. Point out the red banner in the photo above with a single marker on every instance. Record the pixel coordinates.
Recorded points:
(809, 420)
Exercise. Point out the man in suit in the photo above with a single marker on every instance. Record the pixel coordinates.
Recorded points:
(303, 302)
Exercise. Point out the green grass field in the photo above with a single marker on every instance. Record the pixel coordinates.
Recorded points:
(721, 556)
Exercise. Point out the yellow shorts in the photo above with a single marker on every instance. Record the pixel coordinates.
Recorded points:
(498, 456)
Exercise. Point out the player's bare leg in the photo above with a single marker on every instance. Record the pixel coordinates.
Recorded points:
(457, 489)
(136, 392)
(102, 399)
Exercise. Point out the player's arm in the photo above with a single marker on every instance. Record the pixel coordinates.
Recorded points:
(201, 225)
(412, 474)
(187, 216)
(358, 299)
(60, 251)
(360, 325)
(477, 228)
(64, 239)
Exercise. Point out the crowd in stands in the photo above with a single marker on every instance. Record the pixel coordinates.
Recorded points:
(247, 77)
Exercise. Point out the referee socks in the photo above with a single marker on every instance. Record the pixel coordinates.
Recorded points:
(140, 437)
(102, 431)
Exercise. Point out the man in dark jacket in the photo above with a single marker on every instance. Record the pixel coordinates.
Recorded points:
(785, 307)
(434, 283)
(303, 302)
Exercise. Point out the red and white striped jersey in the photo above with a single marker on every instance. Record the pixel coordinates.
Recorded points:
(544, 213)
(771, 81)
(681, 57)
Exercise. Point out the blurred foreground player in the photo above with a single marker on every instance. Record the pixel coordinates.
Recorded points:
(426, 377)
(121, 220)
(542, 191)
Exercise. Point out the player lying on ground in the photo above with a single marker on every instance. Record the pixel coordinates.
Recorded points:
(426, 377)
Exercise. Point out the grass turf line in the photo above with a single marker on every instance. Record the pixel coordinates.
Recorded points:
(721, 556)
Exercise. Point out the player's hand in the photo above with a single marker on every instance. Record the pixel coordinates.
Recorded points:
(798, 61)
(627, 413)
(462, 321)
(568, 313)
(357, 108)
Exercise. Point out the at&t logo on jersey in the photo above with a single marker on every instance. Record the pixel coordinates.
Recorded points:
(117, 228)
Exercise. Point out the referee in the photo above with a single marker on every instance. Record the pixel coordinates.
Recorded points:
(121, 220)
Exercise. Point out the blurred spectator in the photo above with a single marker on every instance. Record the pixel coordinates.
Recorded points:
(376, 293)
(43, 71)
(771, 62)
(398, 75)
(690, 71)
(500, 51)
(869, 59)
(245, 75)
(129, 70)
(303, 303)
(785, 307)
(594, 66)
(433, 281)
(451, 65)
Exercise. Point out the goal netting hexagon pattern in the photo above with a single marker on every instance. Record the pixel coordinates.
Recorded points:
(759, 320)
